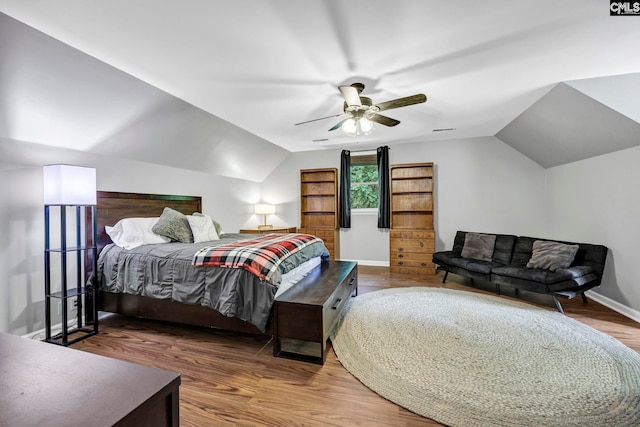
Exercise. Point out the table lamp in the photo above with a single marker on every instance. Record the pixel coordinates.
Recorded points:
(264, 209)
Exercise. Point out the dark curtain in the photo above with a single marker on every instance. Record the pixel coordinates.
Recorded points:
(384, 198)
(344, 219)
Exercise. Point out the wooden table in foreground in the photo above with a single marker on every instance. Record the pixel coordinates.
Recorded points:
(305, 315)
(47, 385)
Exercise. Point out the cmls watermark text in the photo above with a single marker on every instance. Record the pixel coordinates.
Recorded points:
(624, 8)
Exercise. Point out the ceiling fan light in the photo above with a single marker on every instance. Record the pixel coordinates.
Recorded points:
(365, 126)
(349, 127)
(357, 126)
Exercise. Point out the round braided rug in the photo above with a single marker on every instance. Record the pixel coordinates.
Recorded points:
(467, 359)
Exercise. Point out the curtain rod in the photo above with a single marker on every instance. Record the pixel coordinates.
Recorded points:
(360, 151)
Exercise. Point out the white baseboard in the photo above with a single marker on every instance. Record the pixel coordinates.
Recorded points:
(55, 329)
(615, 305)
(368, 262)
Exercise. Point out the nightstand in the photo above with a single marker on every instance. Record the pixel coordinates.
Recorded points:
(275, 229)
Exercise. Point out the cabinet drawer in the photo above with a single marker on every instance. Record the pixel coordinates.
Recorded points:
(412, 270)
(337, 302)
(419, 263)
(410, 256)
(417, 245)
(411, 234)
(318, 232)
(329, 236)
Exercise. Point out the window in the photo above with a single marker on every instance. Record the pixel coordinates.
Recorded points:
(364, 181)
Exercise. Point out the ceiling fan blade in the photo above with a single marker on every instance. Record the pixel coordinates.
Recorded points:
(321, 118)
(383, 120)
(402, 102)
(339, 124)
(350, 95)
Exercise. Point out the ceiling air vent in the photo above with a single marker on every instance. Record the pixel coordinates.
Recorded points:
(444, 130)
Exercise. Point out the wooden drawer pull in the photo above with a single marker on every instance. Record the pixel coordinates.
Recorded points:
(400, 263)
(422, 244)
(400, 256)
(335, 306)
(401, 249)
(424, 264)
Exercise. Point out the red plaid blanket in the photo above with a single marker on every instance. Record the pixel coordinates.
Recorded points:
(260, 256)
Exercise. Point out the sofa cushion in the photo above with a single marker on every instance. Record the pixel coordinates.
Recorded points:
(483, 267)
(537, 275)
(458, 242)
(444, 257)
(451, 259)
(504, 248)
(551, 255)
(479, 246)
(522, 251)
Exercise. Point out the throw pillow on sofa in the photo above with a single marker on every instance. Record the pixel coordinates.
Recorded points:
(552, 255)
(479, 246)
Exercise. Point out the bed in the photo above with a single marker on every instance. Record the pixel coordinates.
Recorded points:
(115, 297)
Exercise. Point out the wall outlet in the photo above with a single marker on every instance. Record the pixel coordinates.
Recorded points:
(72, 307)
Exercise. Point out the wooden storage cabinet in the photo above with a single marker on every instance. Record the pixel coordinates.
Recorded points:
(319, 206)
(49, 385)
(412, 237)
(275, 229)
(306, 314)
(411, 252)
(331, 239)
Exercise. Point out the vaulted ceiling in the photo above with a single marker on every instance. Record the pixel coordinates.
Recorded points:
(492, 67)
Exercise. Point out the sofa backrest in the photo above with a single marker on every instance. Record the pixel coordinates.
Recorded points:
(502, 251)
(588, 254)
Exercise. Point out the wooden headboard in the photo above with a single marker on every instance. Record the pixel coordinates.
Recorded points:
(113, 206)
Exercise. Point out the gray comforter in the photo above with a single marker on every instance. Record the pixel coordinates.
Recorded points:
(164, 271)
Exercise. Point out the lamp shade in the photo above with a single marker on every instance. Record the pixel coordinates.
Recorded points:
(357, 126)
(265, 209)
(69, 185)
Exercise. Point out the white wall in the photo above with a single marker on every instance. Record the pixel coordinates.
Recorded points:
(228, 200)
(482, 184)
(596, 201)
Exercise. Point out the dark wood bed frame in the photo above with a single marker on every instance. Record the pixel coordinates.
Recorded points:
(113, 206)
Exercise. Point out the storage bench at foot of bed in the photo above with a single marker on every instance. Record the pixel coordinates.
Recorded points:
(305, 315)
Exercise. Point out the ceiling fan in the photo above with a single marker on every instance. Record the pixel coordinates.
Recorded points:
(362, 111)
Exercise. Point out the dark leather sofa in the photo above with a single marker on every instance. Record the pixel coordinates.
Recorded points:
(508, 267)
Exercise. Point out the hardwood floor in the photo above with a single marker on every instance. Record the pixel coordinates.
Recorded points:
(232, 379)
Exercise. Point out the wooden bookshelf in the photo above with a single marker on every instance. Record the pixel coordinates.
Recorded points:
(319, 206)
(412, 237)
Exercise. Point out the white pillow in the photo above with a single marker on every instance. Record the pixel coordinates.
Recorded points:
(216, 224)
(202, 228)
(130, 233)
